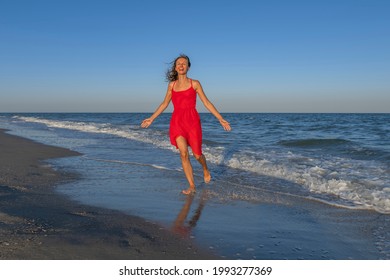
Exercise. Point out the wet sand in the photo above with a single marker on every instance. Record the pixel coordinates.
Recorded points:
(38, 223)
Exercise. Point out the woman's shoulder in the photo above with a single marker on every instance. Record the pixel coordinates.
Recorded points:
(195, 82)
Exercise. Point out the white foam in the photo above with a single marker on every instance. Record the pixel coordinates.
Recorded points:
(332, 177)
(125, 131)
(214, 155)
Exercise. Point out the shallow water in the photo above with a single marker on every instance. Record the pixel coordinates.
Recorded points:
(341, 159)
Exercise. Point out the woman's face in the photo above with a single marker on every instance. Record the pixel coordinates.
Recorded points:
(182, 66)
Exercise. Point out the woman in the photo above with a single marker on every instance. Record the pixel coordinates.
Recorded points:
(185, 127)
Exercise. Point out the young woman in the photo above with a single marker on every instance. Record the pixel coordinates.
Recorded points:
(185, 127)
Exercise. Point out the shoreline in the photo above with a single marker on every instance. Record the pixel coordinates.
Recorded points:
(38, 223)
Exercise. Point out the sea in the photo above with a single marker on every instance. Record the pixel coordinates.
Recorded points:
(338, 159)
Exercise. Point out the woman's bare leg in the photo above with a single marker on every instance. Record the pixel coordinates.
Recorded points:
(185, 161)
(206, 173)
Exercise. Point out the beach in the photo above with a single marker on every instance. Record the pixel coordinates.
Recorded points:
(38, 223)
(284, 187)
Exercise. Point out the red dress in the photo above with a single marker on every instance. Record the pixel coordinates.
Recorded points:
(185, 119)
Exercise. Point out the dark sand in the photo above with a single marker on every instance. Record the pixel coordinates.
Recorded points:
(37, 223)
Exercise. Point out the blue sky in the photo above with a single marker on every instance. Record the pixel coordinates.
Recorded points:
(250, 56)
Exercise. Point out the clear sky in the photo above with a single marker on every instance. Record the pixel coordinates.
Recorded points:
(250, 56)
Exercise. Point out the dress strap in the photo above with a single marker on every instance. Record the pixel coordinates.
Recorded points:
(173, 87)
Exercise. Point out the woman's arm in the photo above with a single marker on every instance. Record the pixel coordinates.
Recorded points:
(168, 96)
(209, 106)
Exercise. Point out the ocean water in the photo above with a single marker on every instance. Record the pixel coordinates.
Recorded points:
(339, 159)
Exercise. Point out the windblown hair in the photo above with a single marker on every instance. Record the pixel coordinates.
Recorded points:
(171, 74)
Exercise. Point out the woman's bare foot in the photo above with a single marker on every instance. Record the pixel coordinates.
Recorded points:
(189, 191)
(207, 176)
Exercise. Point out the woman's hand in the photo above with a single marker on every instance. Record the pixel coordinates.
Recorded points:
(225, 124)
(146, 123)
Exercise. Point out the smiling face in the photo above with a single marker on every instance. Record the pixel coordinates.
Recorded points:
(182, 66)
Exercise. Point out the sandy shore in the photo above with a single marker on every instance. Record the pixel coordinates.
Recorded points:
(37, 223)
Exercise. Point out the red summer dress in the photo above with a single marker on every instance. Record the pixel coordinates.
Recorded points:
(185, 119)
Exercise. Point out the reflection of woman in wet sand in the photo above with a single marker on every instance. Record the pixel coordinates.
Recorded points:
(185, 128)
(179, 226)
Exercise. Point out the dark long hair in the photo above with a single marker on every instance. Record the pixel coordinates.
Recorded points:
(171, 74)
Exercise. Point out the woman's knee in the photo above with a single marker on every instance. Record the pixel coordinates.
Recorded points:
(184, 155)
(198, 157)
